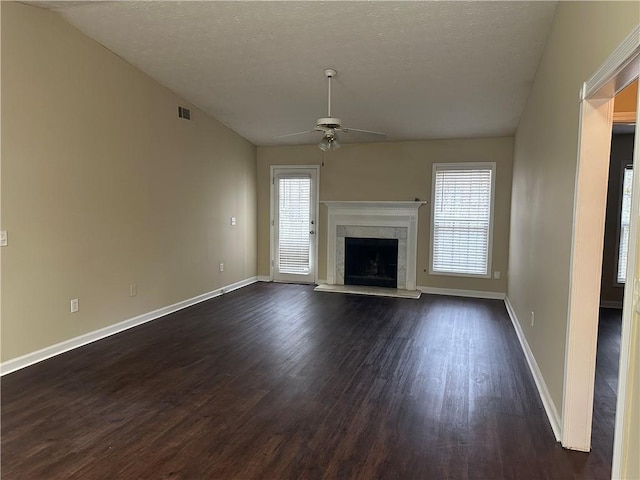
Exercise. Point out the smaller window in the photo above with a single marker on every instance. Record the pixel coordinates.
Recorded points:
(462, 218)
(625, 218)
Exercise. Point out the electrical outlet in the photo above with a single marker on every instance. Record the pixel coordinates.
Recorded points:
(74, 305)
(533, 318)
(133, 290)
(496, 274)
(3, 238)
(233, 221)
(222, 266)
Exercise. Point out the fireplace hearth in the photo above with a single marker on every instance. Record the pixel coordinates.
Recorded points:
(371, 262)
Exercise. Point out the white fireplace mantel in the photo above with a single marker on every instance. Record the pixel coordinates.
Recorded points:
(373, 219)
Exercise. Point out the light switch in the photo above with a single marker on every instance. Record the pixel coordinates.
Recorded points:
(233, 221)
(3, 238)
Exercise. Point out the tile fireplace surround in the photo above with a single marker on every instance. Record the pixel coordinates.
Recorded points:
(373, 220)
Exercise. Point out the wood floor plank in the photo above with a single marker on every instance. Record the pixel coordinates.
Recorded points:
(280, 382)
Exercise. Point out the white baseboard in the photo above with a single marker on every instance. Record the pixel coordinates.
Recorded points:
(454, 292)
(549, 406)
(611, 304)
(48, 352)
(266, 278)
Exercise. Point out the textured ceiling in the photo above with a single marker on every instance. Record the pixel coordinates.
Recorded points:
(414, 70)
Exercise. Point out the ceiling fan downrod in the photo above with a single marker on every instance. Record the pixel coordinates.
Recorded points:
(329, 73)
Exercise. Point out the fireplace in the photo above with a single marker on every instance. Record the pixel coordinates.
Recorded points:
(394, 220)
(371, 261)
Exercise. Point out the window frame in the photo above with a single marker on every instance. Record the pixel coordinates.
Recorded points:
(625, 167)
(463, 166)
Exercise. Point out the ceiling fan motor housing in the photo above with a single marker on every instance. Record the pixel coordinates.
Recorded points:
(328, 122)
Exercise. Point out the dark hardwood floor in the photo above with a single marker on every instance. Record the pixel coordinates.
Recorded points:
(606, 384)
(281, 382)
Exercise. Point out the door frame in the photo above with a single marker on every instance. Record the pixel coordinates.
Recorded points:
(594, 142)
(272, 210)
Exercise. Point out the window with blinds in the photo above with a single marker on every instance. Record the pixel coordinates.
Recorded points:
(462, 212)
(625, 218)
(294, 196)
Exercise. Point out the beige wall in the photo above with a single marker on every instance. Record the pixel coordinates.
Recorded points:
(394, 171)
(582, 36)
(103, 186)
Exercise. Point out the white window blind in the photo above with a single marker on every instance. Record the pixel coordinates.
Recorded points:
(462, 205)
(625, 218)
(293, 225)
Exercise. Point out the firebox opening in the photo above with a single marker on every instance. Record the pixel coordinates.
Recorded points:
(371, 261)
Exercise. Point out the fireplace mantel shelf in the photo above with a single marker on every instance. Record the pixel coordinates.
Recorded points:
(373, 204)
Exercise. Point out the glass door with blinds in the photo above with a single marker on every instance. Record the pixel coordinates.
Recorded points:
(294, 224)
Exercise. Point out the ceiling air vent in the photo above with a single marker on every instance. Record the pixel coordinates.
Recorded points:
(184, 113)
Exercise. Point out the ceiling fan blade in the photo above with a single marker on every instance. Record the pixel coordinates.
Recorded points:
(297, 133)
(357, 130)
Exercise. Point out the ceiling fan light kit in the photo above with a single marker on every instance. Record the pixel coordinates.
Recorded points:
(330, 125)
(329, 142)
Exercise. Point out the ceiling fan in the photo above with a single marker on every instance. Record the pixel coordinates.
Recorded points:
(329, 125)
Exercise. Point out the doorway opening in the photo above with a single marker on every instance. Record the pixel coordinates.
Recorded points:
(596, 120)
(613, 277)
